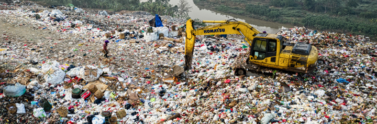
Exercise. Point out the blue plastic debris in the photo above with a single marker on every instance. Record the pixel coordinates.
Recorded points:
(341, 80)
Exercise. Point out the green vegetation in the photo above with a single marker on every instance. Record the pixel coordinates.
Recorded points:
(161, 7)
(350, 16)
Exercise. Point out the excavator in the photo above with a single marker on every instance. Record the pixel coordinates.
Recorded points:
(266, 50)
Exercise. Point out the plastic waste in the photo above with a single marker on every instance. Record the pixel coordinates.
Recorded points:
(103, 13)
(98, 119)
(14, 91)
(267, 117)
(341, 80)
(74, 72)
(20, 108)
(163, 30)
(54, 65)
(39, 112)
(90, 73)
(55, 78)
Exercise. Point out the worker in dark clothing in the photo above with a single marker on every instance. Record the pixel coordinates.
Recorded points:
(37, 16)
(105, 48)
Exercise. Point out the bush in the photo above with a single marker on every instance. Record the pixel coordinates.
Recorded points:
(292, 13)
(369, 14)
(263, 11)
(222, 8)
(327, 22)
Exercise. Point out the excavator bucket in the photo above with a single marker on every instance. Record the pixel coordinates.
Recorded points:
(189, 45)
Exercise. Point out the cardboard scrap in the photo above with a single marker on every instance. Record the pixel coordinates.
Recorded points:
(100, 86)
(168, 80)
(89, 71)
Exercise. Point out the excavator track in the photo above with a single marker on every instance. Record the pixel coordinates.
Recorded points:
(265, 70)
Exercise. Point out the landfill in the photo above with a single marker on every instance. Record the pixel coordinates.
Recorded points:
(62, 75)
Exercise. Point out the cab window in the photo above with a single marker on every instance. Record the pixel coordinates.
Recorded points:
(260, 45)
(272, 46)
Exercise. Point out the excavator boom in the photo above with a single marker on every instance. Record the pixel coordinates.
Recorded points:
(225, 27)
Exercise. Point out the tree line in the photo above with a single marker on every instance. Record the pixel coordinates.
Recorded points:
(322, 22)
(332, 7)
(350, 16)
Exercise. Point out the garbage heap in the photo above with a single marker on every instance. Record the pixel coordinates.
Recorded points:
(65, 78)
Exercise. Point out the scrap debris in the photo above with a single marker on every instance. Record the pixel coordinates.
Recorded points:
(64, 78)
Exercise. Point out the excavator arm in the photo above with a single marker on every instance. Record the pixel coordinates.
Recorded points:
(225, 27)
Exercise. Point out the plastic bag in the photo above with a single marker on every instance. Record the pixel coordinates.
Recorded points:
(56, 12)
(341, 80)
(98, 119)
(90, 73)
(54, 65)
(173, 34)
(266, 118)
(242, 90)
(14, 91)
(34, 70)
(39, 113)
(103, 13)
(320, 92)
(33, 84)
(163, 30)
(150, 36)
(74, 72)
(77, 22)
(55, 78)
(68, 94)
(79, 10)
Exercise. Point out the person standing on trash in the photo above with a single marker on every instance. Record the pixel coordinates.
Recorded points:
(37, 16)
(105, 51)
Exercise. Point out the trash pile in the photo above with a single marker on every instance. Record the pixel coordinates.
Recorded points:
(64, 78)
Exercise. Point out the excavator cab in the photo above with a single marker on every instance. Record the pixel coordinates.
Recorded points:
(266, 50)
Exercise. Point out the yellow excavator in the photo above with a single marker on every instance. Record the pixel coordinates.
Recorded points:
(266, 50)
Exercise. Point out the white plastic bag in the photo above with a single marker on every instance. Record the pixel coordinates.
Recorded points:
(150, 36)
(74, 72)
(77, 22)
(173, 34)
(98, 119)
(34, 70)
(120, 79)
(267, 118)
(103, 13)
(39, 113)
(50, 64)
(163, 30)
(242, 90)
(320, 92)
(56, 12)
(68, 94)
(55, 78)
(20, 108)
(33, 84)
(79, 10)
